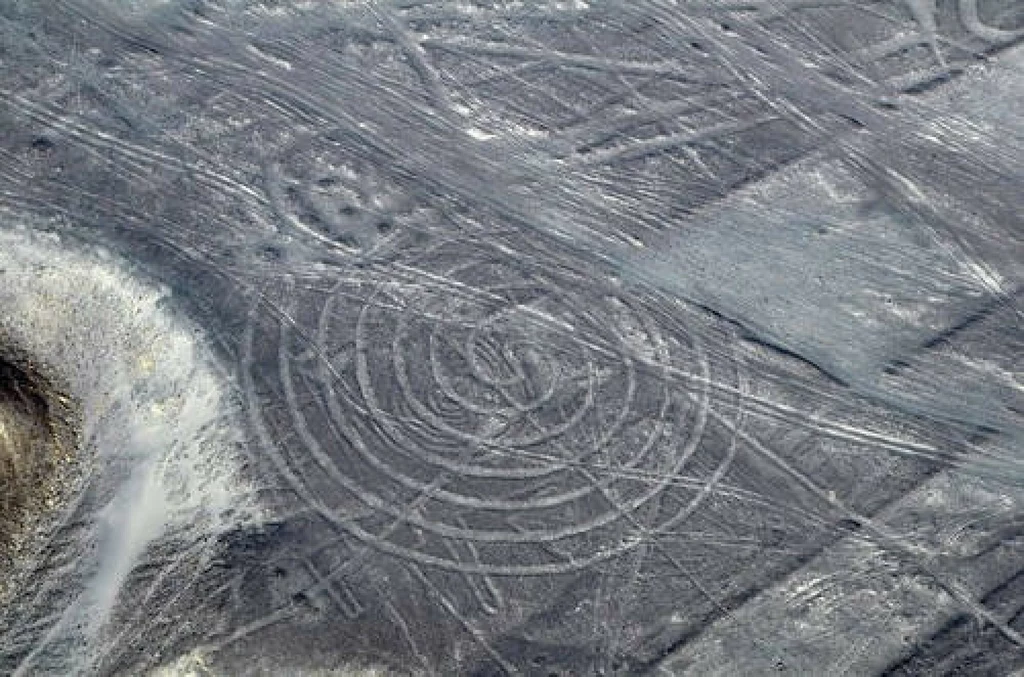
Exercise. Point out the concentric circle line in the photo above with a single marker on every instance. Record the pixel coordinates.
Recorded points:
(709, 487)
(556, 534)
(415, 425)
(551, 501)
(389, 420)
(472, 353)
(264, 435)
(350, 526)
(652, 439)
(447, 387)
(662, 480)
(424, 412)
(380, 542)
(489, 535)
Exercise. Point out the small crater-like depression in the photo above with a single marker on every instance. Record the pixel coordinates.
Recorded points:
(37, 445)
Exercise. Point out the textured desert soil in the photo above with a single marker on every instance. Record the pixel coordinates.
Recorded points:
(483, 338)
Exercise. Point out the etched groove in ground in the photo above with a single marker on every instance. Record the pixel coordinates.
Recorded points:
(484, 436)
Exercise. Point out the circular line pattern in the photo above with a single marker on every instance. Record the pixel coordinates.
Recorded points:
(517, 412)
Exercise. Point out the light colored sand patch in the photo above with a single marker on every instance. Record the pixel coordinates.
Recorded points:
(157, 417)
